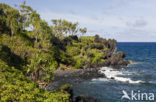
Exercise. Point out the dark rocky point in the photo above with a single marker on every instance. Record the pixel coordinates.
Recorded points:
(111, 57)
(85, 98)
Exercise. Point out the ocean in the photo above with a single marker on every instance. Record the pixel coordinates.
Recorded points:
(138, 80)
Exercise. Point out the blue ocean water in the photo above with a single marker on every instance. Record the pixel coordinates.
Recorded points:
(143, 68)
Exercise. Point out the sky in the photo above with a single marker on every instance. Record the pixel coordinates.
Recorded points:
(123, 20)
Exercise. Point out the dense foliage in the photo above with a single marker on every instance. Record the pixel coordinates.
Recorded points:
(27, 58)
(30, 50)
(85, 51)
(15, 87)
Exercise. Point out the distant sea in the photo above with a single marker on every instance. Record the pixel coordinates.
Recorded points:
(139, 77)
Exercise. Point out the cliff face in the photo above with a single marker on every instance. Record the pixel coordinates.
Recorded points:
(111, 56)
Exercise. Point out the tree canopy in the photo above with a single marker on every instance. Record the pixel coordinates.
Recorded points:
(65, 28)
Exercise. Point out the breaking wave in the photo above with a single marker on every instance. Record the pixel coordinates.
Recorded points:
(117, 75)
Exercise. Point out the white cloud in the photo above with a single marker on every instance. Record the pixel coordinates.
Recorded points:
(137, 23)
(105, 20)
(98, 25)
(125, 20)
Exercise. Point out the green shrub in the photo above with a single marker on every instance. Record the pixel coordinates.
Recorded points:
(97, 58)
(86, 39)
(72, 50)
(65, 58)
(15, 87)
(80, 61)
(95, 55)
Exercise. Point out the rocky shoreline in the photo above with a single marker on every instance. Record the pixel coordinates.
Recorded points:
(76, 76)
(73, 76)
(111, 58)
(70, 76)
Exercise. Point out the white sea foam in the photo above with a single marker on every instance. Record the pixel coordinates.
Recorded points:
(118, 75)
(134, 63)
(152, 82)
(101, 79)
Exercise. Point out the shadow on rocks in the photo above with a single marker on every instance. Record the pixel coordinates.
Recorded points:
(85, 98)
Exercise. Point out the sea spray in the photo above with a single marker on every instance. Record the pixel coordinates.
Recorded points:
(115, 74)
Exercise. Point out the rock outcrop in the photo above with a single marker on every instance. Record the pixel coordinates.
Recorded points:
(85, 98)
(112, 57)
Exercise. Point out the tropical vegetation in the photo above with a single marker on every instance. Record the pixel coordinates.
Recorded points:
(31, 49)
